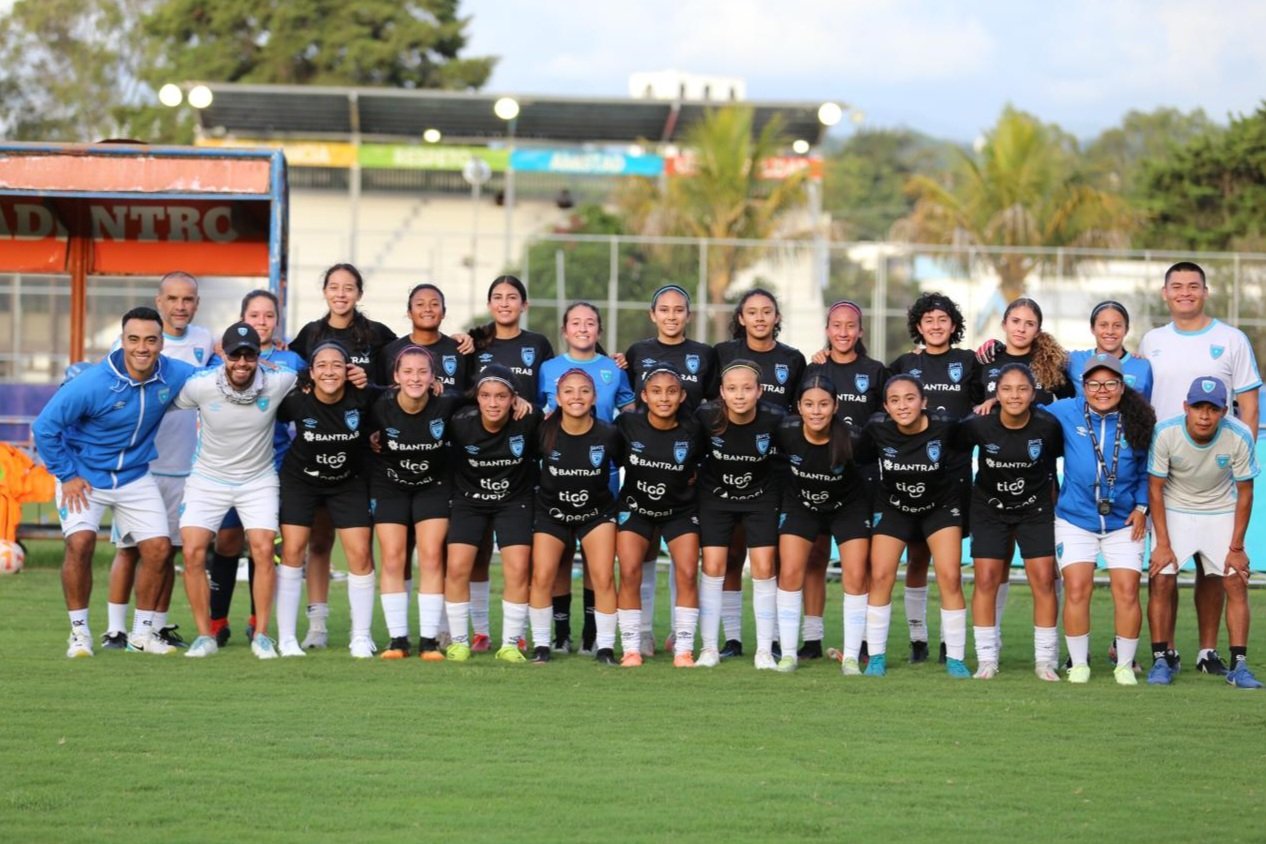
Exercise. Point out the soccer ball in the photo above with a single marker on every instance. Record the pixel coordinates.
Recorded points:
(12, 557)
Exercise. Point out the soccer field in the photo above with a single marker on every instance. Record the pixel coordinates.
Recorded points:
(326, 748)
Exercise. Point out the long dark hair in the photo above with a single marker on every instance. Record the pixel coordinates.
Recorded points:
(737, 331)
(1138, 419)
(362, 335)
(483, 335)
(554, 422)
(256, 294)
(840, 444)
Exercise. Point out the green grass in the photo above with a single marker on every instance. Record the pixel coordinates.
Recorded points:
(325, 748)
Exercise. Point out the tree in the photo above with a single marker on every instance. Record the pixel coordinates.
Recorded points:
(1118, 157)
(1024, 189)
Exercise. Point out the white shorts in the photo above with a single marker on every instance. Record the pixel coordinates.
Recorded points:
(1075, 545)
(172, 489)
(139, 512)
(207, 501)
(1206, 534)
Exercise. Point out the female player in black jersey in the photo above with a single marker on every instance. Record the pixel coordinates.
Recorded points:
(952, 384)
(658, 501)
(409, 491)
(323, 467)
(916, 498)
(426, 309)
(1012, 501)
(342, 286)
(737, 486)
(574, 504)
(494, 477)
(826, 498)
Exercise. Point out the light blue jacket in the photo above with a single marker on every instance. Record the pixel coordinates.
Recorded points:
(1077, 503)
(1138, 371)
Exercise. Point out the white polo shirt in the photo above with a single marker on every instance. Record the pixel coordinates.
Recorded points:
(1180, 357)
(1202, 478)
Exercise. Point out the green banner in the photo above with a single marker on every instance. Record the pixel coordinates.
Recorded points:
(402, 157)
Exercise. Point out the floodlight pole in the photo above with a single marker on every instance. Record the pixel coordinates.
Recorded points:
(509, 192)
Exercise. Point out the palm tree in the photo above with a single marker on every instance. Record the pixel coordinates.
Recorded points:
(1024, 189)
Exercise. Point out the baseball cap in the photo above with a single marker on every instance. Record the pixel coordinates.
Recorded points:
(239, 336)
(1102, 360)
(1207, 389)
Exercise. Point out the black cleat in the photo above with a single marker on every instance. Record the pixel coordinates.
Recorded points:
(541, 655)
(1212, 664)
(811, 649)
(775, 649)
(222, 635)
(562, 646)
(429, 649)
(114, 641)
(399, 648)
(918, 651)
(1175, 661)
(941, 657)
(605, 656)
(863, 654)
(170, 636)
(732, 647)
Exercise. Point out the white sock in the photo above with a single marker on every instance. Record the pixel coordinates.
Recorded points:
(916, 601)
(1000, 604)
(732, 615)
(1126, 649)
(789, 604)
(877, 622)
(479, 592)
(79, 621)
(630, 630)
(1078, 649)
(395, 611)
(814, 628)
(458, 620)
(604, 624)
(289, 586)
(986, 644)
(954, 633)
(408, 590)
(684, 621)
(1045, 646)
(854, 624)
(541, 619)
(513, 617)
(1203, 653)
(430, 609)
(765, 608)
(317, 614)
(142, 623)
(650, 573)
(117, 617)
(710, 598)
(360, 597)
(160, 620)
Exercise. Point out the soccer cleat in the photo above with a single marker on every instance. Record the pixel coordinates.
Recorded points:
(670, 643)
(1079, 674)
(683, 660)
(1161, 674)
(957, 669)
(362, 647)
(250, 628)
(631, 659)
(605, 656)
(291, 647)
(1046, 672)
(202, 646)
(863, 655)
(169, 635)
(399, 648)
(541, 654)
(732, 647)
(941, 654)
(708, 658)
(480, 644)
(316, 640)
(775, 649)
(510, 653)
(458, 652)
(1212, 664)
(850, 667)
(78, 645)
(521, 644)
(586, 651)
(220, 630)
(1124, 675)
(443, 640)
(263, 647)
(835, 654)
(918, 651)
(877, 666)
(764, 661)
(787, 664)
(561, 646)
(1175, 661)
(986, 671)
(148, 643)
(429, 650)
(811, 649)
(648, 644)
(114, 641)
(1239, 677)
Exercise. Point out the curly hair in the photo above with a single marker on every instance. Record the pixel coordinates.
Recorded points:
(1049, 361)
(737, 331)
(928, 302)
(1138, 419)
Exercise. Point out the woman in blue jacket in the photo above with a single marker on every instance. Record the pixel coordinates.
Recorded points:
(1102, 507)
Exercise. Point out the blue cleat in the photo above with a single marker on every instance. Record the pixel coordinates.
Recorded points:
(1162, 673)
(957, 669)
(1240, 677)
(877, 666)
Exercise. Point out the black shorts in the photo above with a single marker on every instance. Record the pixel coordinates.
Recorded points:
(393, 505)
(1033, 529)
(510, 520)
(719, 518)
(569, 533)
(669, 529)
(852, 521)
(909, 527)
(347, 501)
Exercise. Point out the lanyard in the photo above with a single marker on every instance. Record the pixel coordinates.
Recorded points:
(1110, 476)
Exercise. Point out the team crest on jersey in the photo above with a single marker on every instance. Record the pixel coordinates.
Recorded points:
(1035, 449)
(352, 418)
(955, 372)
(164, 394)
(528, 355)
(449, 362)
(516, 445)
(596, 455)
(781, 371)
(1224, 460)
(680, 450)
(934, 451)
(437, 428)
(606, 375)
(692, 364)
(197, 354)
(862, 381)
(1216, 351)
(1208, 385)
(762, 443)
(262, 402)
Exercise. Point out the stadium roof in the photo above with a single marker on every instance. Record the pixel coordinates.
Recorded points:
(294, 111)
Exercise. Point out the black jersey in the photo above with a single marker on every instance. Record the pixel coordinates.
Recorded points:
(576, 472)
(413, 448)
(782, 367)
(912, 467)
(329, 443)
(660, 467)
(951, 380)
(488, 467)
(697, 363)
(738, 464)
(365, 354)
(523, 356)
(452, 369)
(1016, 466)
(859, 387)
(816, 484)
(990, 372)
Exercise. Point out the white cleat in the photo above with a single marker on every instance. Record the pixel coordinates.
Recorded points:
(148, 643)
(262, 646)
(291, 647)
(986, 671)
(708, 658)
(202, 646)
(765, 661)
(850, 667)
(78, 645)
(362, 647)
(1046, 672)
(316, 639)
(648, 644)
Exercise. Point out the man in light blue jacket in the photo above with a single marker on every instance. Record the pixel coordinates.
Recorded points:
(96, 436)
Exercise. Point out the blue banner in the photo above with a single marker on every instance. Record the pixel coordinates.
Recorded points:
(583, 162)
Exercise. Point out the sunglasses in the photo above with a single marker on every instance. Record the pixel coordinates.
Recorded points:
(239, 354)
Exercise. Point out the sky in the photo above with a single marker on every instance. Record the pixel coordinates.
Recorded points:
(944, 68)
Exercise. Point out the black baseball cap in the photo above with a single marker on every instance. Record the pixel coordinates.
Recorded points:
(240, 336)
